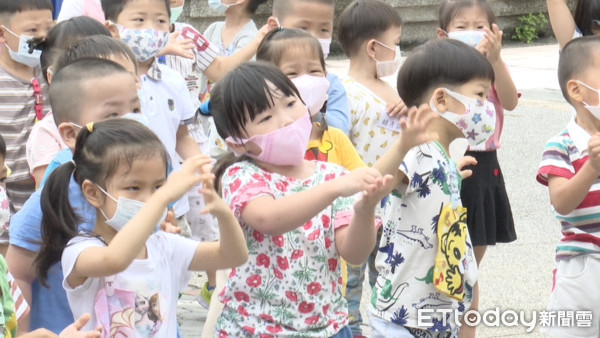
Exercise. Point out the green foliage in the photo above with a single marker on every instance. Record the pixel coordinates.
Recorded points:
(530, 27)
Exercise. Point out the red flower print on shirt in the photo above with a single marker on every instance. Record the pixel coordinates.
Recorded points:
(274, 329)
(235, 185)
(307, 225)
(297, 253)
(278, 240)
(329, 177)
(241, 296)
(232, 273)
(282, 186)
(327, 242)
(291, 295)
(222, 334)
(254, 281)
(313, 288)
(264, 335)
(325, 308)
(282, 262)
(278, 273)
(314, 235)
(242, 311)
(312, 320)
(258, 236)
(233, 170)
(263, 260)
(332, 262)
(305, 307)
(249, 329)
(266, 317)
(325, 220)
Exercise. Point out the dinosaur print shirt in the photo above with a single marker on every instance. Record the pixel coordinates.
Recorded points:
(409, 246)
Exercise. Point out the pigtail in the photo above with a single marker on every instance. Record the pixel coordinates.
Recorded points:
(59, 221)
(222, 164)
(323, 123)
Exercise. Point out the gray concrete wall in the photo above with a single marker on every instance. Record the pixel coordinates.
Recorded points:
(420, 16)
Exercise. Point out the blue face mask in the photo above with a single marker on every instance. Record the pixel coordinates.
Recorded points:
(218, 6)
(471, 38)
(176, 12)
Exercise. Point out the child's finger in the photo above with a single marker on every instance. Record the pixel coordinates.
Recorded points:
(466, 173)
(81, 321)
(465, 161)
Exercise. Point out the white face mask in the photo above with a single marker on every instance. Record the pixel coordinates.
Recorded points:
(325, 45)
(477, 124)
(594, 110)
(218, 6)
(22, 55)
(313, 91)
(388, 68)
(126, 209)
(471, 37)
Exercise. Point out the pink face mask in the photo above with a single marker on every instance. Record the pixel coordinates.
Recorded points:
(283, 147)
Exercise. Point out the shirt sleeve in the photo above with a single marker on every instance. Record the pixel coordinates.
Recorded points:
(204, 52)
(338, 112)
(555, 161)
(342, 208)
(42, 145)
(25, 224)
(180, 251)
(241, 183)
(69, 257)
(416, 169)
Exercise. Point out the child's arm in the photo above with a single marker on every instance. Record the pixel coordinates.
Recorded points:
(505, 87)
(561, 20)
(186, 146)
(277, 216)
(231, 249)
(566, 194)
(355, 241)
(129, 241)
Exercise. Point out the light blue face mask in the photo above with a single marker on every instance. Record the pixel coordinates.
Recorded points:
(176, 12)
(218, 6)
(471, 38)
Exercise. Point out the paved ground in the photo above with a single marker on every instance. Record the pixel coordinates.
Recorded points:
(515, 276)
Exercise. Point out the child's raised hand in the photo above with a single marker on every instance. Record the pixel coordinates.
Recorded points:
(492, 42)
(169, 224)
(184, 178)
(414, 126)
(373, 194)
(396, 108)
(215, 205)
(357, 180)
(463, 162)
(178, 47)
(594, 151)
(73, 330)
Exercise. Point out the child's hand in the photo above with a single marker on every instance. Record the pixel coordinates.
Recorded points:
(357, 180)
(491, 44)
(396, 108)
(373, 194)
(178, 47)
(184, 178)
(414, 126)
(73, 330)
(169, 224)
(215, 205)
(594, 151)
(463, 162)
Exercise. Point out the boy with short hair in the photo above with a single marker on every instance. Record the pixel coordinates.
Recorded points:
(570, 167)
(22, 90)
(86, 90)
(316, 16)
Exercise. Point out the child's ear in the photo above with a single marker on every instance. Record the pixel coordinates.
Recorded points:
(238, 149)
(440, 33)
(370, 48)
(2, 34)
(114, 31)
(440, 100)
(92, 194)
(68, 133)
(272, 22)
(574, 91)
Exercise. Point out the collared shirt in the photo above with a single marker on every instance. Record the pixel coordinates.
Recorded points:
(563, 156)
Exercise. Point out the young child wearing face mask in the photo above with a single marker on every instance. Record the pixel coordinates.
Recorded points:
(424, 264)
(23, 90)
(570, 168)
(567, 26)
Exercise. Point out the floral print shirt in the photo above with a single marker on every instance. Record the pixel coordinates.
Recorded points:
(291, 284)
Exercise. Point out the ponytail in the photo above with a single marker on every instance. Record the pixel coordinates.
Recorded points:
(222, 164)
(59, 221)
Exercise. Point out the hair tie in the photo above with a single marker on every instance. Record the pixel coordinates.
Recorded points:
(90, 126)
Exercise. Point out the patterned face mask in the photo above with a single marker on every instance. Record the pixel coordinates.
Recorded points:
(145, 43)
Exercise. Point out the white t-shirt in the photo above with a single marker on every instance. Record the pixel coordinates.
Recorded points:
(160, 276)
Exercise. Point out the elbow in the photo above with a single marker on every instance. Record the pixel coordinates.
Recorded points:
(562, 208)
(512, 105)
(241, 258)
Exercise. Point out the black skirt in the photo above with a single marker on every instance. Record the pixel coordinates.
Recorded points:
(489, 217)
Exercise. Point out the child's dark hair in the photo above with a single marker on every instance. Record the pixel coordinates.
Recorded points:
(100, 150)
(9, 7)
(283, 8)
(586, 12)
(244, 93)
(63, 35)
(575, 59)
(2, 147)
(438, 63)
(450, 9)
(99, 46)
(112, 8)
(67, 94)
(363, 20)
(253, 5)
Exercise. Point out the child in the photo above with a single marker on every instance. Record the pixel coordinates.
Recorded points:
(87, 90)
(316, 17)
(121, 167)
(570, 167)
(45, 141)
(585, 21)
(23, 90)
(424, 230)
(298, 291)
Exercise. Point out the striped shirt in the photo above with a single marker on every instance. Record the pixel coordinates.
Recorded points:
(17, 116)
(563, 156)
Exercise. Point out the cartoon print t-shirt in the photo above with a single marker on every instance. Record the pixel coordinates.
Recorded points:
(407, 251)
(153, 284)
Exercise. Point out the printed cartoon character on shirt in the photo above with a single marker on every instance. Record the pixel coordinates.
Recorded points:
(319, 153)
(154, 314)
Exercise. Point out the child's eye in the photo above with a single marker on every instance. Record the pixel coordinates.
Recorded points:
(291, 103)
(137, 110)
(138, 20)
(2, 180)
(161, 21)
(324, 30)
(112, 115)
(265, 119)
(316, 71)
(133, 188)
(291, 74)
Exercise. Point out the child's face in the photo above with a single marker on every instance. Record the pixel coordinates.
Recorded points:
(297, 61)
(143, 14)
(470, 18)
(176, 3)
(314, 17)
(391, 38)
(476, 89)
(34, 23)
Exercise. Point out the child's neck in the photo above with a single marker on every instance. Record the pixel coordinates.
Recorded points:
(143, 67)
(361, 70)
(15, 68)
(235, 18)
(107, 233)
(445, 130)
(314, 132)
(587, 121)
(301, 171)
